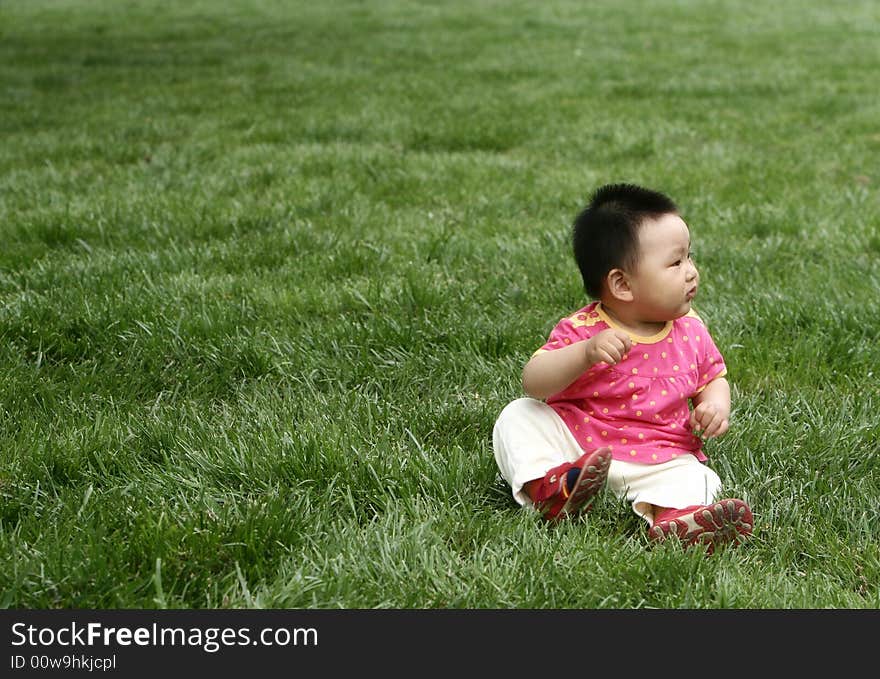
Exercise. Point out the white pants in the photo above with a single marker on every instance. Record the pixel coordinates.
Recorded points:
(529, 438)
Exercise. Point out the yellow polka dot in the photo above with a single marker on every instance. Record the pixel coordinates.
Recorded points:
(586, 419)
(577, 427)
(687, 325)
(632, 452)
(623, 440)
(639, 413)
(674, 454)
(662, 354)
(622, 406)
(641, 436)
(632, 385)
(669, 339)
(655, 370)
(589, 439)
(654, 456)
(604, 433)
(675, 367)
(645, 356)
(595, 393)
(698, 338)
(673, 426)
(653, 403)
(684, 338)
(705, 376)
(635, 371)
(693, 366)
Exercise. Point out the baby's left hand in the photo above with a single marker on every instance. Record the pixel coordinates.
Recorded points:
(709, 420)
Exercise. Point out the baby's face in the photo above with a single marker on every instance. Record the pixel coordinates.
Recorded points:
(665, 279)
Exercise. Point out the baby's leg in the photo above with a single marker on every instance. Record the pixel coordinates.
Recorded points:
(529, 438)
(677, 499)
(679, 483)
(542, 462)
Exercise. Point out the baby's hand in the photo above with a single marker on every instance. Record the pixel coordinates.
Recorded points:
(710, 420)
(610, 346)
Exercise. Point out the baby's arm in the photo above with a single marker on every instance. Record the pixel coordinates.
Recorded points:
(711, 413)
(550, 372)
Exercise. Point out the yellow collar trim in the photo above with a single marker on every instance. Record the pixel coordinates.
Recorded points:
(640, 339)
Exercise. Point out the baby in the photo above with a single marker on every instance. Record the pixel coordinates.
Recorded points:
(610, 388)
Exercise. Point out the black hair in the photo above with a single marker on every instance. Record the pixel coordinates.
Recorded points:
(605, 233)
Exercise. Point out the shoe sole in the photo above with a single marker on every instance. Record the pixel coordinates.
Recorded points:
(726, 521)
(589, 482)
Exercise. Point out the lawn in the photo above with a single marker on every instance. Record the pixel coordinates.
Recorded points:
(270, 270)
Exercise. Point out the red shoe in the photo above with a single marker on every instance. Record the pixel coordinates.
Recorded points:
(721, 522)
(555, 500)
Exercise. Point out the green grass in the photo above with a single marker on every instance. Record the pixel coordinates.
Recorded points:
(270, 270)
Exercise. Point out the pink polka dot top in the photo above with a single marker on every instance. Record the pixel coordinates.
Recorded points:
(639, 407)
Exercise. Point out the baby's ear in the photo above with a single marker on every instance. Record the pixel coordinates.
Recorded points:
(617, 283)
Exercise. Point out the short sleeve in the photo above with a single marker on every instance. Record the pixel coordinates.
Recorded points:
(574, 328)
(711, 362)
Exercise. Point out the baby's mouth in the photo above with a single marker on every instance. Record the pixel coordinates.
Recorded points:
(691, 293)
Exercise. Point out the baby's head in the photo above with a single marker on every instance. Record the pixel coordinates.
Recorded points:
(633, 248)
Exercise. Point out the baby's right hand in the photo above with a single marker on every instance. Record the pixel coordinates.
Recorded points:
(610, 346)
